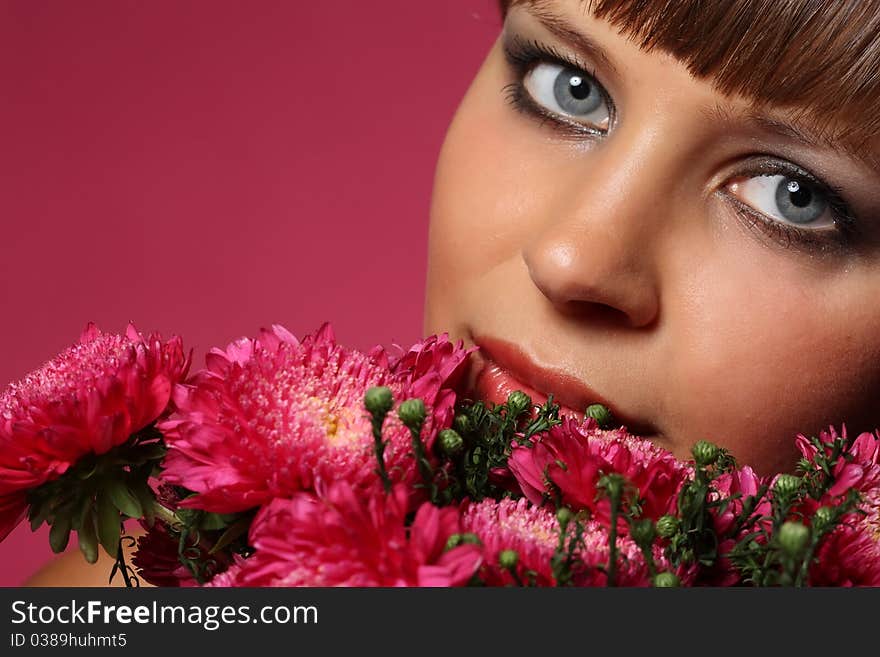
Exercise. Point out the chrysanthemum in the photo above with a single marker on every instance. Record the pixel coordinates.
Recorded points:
(157, 559)
(568, 460)
(341, 538)
(532, 532)
(87, 400)
(850, 556)
(274, 415)
(735, 487)
(166, 558)
(858, 468)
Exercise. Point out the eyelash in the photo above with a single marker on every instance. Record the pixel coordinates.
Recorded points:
(522, 56)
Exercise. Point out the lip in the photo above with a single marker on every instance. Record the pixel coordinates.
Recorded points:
(501, 367)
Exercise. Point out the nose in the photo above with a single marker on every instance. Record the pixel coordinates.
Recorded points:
(597, 246)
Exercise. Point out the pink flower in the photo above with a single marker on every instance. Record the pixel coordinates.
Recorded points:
(737, 486)
(859, 468)
(533, 533)
(341, 538)
(734, 486)
(850, 555)
(88, 399)
(571, 457)
(157, 559)
(272, 416)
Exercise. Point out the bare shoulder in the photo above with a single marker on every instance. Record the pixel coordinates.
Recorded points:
(71, 569)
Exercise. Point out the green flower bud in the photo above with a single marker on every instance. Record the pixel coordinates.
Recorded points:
(453, 541)
(518, 401)
(462, 424)
(666, 580)
(451, 442)
(379, 400)
(564, 516)
(601, 414)
(705, 453)
(823, 518)
(470, 539)
(642, 531)
(793, 537)
(667, 526)
(508, 559)
(412, 413)
(787, 484)
(613, 485)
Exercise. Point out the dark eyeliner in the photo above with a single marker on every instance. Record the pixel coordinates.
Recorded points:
(845, 233)
(522, 56)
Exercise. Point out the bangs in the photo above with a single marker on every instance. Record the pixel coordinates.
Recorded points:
(817, 59)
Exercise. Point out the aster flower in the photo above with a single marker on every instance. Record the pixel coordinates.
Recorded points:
(850, 555)
(178, 548)
(567, 461)
(274, 415)
(341, 538)
(855, 465)
(734, 488)
(157, 558)
(87, 412)
(533, 532)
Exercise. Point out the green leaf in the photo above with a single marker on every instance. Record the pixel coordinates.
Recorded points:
(124, 499)
(39, 513)
(155, 452)
(108, 524)
(146, 498)
(213, 521)
(59, 534)
(85, 471)
(235, 530)
(88, 540)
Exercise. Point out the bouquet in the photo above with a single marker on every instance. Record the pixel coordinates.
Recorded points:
(300, 462)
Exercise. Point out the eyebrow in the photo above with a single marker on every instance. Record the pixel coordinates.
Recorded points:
(563, 30)
(792, 131)
(590, 48)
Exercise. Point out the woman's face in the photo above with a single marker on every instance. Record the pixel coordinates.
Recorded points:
(635, 235)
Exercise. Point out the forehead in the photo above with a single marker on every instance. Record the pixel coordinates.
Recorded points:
(818, 61)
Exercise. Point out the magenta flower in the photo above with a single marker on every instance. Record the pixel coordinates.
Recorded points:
(272, 416)
(734, 486)
(850, 556)
(157, 560)
(568, 460)
(89, 399)
(341, 538)
(859, 469)
(533, 533)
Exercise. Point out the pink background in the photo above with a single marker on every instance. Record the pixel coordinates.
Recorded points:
(209, 167)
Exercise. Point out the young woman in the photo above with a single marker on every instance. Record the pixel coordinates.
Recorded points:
(671, 209)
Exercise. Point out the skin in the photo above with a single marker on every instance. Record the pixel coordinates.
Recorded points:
(616, 258)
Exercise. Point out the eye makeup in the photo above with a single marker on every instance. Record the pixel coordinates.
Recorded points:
(524, 55)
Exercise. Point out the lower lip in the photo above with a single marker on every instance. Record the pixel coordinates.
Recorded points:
(494, 384)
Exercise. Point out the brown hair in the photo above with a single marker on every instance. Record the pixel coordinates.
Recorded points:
(818, 58)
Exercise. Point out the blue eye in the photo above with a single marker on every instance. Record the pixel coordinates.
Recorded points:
(570, 92)
(787, 199)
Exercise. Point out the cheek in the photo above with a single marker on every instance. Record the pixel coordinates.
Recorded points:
(488, 183)
(772, 349)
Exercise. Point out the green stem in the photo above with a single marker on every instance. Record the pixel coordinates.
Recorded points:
(424, 466)
(379, 450)
(165, 515)
(612, 541)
